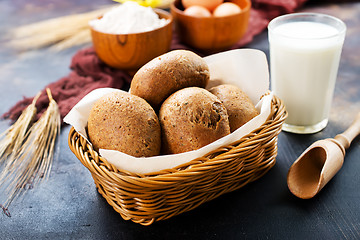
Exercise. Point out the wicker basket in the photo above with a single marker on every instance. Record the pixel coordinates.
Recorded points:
(161, 195)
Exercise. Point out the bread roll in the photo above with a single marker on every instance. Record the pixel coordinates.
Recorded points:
(124, 122)
(166, 74)
(190, 119)
(239, 107)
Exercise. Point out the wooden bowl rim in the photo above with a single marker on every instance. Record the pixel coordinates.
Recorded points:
(167, 15)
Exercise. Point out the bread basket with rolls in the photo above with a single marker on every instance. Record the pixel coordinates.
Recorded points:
(189, 130)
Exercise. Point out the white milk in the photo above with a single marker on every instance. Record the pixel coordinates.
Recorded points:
(304, 62)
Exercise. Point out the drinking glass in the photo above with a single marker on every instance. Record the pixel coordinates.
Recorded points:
(305, 51)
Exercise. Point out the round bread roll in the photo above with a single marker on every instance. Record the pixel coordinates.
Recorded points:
(125, 122)
(166, 74)
(190, 119)
(239, 107)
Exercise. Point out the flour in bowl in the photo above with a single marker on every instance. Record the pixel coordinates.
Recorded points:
(128, 17)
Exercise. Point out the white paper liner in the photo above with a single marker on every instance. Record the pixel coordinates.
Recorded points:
(246, 68)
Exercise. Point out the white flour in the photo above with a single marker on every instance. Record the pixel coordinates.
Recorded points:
(128, 17)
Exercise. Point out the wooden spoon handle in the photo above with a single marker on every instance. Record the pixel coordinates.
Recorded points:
(346, 137)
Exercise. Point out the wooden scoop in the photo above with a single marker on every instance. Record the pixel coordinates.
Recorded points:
(320, 162)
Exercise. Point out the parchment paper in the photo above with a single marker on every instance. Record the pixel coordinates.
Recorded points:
(246, 68)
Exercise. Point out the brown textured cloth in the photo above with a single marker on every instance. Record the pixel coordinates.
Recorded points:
(88, 72)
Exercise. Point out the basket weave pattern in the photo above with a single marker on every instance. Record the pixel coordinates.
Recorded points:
(161, 195)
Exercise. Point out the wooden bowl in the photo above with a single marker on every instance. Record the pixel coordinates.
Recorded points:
(211, 34)
(131, 51)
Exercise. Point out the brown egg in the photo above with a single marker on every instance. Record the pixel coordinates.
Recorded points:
(226, 9)
(209, 4)
(197, 11)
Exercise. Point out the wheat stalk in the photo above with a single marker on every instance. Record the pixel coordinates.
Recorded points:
(53, 31)
(81, 37)
(34, 160)
(63, 32)
(13, 137)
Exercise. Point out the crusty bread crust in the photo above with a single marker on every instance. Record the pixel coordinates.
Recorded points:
(124, 122)
(166, 74)
(190, 119)
(239, 107)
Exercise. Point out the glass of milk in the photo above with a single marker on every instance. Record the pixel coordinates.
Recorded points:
(305, 51)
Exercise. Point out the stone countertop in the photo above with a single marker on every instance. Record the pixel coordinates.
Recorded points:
(68, 206)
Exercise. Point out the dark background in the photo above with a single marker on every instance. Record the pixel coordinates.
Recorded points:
(68, 206)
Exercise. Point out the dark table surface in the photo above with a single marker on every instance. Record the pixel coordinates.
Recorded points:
(68, 206)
